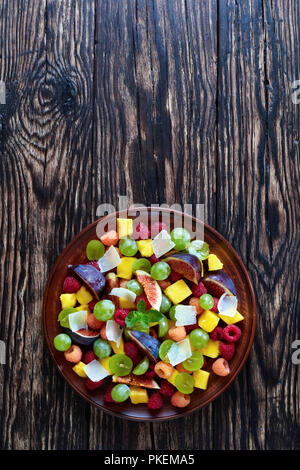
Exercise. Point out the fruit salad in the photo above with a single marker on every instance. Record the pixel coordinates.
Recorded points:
(148, 318)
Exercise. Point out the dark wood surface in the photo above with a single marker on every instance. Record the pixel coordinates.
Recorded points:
(186, 101)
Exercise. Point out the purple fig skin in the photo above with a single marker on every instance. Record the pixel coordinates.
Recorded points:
(220, 280)
(190, 262)
(93, 278)
(149, 345)
(81, 339)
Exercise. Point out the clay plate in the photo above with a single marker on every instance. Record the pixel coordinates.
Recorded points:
(74, 253)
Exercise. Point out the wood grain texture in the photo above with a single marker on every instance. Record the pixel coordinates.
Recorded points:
(259, 205)
(165, 101)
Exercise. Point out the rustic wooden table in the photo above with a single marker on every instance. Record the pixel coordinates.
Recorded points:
(186, 101)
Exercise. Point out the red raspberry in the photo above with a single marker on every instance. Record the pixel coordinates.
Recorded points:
(215, 307)
(143, 232)
(232, 333)
(92, 305)
(131, 350)
(155, 402)
(227, 350)
(153, 259)
(217, 334)
(157, 228)
(204, 363)
(150, 372)
(136, 360)
(199, 290)
(189, 328)
(89, 357)
(94, 263)
(71, 285)
(90, 385)
(175, 276)
(120, 315)
(107, 395)
(166, 389)
(144, 298)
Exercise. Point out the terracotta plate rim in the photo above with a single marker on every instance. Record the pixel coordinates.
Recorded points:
(182, 413)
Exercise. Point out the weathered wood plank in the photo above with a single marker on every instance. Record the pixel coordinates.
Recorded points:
(257, 207)
(47, 63)
(116, 152)
(155, 86)
(241, 123)
(187, 73)
(281, 224)
(22, 160)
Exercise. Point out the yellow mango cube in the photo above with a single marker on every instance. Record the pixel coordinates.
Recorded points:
(83, 296)
(78, 369)
(214, 263)
(231, 320)
(138, 395)
(124, 227)
(208, 321)
(68, 300)
(83, 307)
(117, 349)
(125, 303)
(212, 349)
(202, 268)
(145, 248)
(178, 291)
(172, 378)
(124, 269)
(105, 363)
(201, 378)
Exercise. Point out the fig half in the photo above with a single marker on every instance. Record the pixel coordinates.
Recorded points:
(218, 283)
(139, 381)
(185, 264)
(149, 345)
(93, 278)
(84, 337)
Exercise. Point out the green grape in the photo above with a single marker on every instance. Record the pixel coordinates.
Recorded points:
(165, 304)
(102, 348)
(184, 383)
(194, 362)
(62, 342)
(172, 313)
(142, 367)
(164, 349)
(200, 249)
(160, 271)
(141, 263)
(181, 237)
(199, 338)
(163, 327)
(135, 287)
(128, 246)
(206, 301)
(94, 250)
(63, 317)
(104, 310)
(120, 393)
(120, 364)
